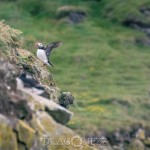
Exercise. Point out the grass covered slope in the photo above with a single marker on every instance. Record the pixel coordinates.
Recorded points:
(108, 75)
(99, 63)
(118, 10)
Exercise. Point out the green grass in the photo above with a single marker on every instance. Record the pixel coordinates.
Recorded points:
(118, 11)
(99, 62)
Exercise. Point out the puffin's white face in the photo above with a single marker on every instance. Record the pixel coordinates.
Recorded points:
(39, 44)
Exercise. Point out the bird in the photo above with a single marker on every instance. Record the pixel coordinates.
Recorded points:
(44, 52)
(26, 81)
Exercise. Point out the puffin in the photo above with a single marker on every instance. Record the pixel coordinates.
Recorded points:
(28, 82)
(44, 52)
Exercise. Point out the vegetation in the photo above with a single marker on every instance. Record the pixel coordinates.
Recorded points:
(99, 62)
(8, 37)
(118, 10)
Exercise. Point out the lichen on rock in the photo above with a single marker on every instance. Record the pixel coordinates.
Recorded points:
(26, 118)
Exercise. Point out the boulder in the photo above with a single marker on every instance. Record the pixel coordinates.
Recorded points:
(41, 133)
(25, 134)
(147, 141)
(140, 134)
(11, 103)
(145, 11)
(8, 138)
(37, 102)
(66, 99)
(136, 145)
(72, 13)
(143, 41)
(56, 136)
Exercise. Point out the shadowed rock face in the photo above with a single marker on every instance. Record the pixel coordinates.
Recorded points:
(141, 26)
(76, 17)
(137, 24)
(11, 103)
(145, 11)
(27, 119)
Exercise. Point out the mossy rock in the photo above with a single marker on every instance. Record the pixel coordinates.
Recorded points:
(8, 138)
(136, 145)
(48, 128)
(38, 103)
(147, 141)
(25, 133)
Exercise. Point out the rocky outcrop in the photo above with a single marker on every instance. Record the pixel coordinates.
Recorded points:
(31, 122)
(71, 14)
(25, 61)
(136, 145)
(133, 15)
(38, 103)
(145, 11)
(134, 137)
(137, 24)
(140, 24)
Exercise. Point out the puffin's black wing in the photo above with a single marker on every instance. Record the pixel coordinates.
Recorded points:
(28, 82)
(51, 46)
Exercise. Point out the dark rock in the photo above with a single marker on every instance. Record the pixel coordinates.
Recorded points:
(71, 13)
(134, 128)
(137, 24)
(147, 142)
(8, 75)
(141, 25)
(76, 17)
(143, 41)
(38, 103)
(119, 136)
(66, 99)
(145, 11)
(147, 133)
(11, 103)
(135, 137)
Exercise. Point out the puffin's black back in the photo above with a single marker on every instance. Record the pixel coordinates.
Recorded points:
(28, 82)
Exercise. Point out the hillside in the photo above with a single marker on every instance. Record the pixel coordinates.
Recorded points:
(29, 121)
(100, 60)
